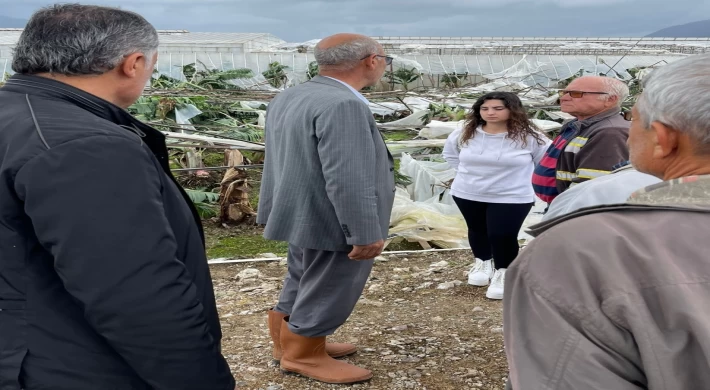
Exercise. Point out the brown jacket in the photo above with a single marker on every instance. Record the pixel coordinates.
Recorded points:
(615, 297)
(599, 143)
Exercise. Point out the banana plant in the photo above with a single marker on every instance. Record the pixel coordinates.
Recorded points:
(403, 77)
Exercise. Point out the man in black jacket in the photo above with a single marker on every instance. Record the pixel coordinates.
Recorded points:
(104, 282)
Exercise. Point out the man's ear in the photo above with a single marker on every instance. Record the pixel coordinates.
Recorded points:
(665, 139)
(133, 64)
(612, 100)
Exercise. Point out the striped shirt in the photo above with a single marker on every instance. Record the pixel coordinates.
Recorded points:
(545, 176)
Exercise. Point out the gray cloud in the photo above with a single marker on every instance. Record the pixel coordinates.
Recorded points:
(298, 20)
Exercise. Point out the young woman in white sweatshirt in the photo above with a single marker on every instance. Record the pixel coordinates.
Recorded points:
(494, 155)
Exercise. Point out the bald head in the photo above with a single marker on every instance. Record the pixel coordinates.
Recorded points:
(603, 94)
(343, 52)
(614, 88)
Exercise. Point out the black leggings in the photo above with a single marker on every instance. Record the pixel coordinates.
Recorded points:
(493, 229)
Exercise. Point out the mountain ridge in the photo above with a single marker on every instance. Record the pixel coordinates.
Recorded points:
(699, 29)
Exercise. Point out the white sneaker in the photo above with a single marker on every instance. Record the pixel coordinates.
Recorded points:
(481, 273)
(495, 290)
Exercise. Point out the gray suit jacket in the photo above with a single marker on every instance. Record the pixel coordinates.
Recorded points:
(328, 179)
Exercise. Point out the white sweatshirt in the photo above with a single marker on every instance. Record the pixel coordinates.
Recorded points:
(493, 169)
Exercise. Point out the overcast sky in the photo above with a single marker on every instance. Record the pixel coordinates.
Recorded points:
(300, 20)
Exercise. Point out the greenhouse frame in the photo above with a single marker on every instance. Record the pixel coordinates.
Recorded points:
(542, 61)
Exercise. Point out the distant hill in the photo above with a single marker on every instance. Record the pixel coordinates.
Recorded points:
(8, 22)
(699, 29)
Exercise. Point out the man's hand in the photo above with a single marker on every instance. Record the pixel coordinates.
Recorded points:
(367, 252)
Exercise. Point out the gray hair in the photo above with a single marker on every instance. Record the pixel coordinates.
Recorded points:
(678, 95)
(346, 55)
(74, 40)
(616, 88)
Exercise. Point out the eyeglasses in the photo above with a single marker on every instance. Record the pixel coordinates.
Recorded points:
(579, 94)
(388, 59)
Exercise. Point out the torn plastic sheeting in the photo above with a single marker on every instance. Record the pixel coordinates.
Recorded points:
(535, 216)
(522, 70)
(417, 102)
(539, 100)
(399, 62)
(428, 221)
(427, 177)
(399, 147)
(546, 126)
(416, 119)
(439, 130)
(185, 113)
(386, 108)
(254, 104)
(559, 115)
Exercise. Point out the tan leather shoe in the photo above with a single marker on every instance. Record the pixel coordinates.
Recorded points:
(335, 350)
(306, 356)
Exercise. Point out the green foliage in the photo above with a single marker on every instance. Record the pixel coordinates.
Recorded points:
(205, 202)
(313, 70)
(238, 121)
(453, 80)
(403, 77)
(203, 79)
(635, 85)
(245, 245)
(276, 74)
(400, 179)
(445, 113)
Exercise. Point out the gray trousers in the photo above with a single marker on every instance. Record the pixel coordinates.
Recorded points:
(320, 290)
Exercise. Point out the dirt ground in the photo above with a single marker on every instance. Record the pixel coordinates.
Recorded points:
(418, 326)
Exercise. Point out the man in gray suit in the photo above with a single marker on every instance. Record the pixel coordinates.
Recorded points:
(327, 189)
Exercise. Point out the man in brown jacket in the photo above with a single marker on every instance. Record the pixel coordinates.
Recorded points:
(616, 297)
(592, 144)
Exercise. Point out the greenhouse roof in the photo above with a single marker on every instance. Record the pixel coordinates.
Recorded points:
(207, 38)
(529, 45)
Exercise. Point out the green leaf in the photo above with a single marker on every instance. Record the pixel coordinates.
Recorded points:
(198, 196)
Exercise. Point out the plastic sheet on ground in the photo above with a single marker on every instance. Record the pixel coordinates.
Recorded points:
(534, 217)
(427, 221)
(439, 130)
(399, 147)
(420, 211)
(428, 177)
(386, 108)
(546, 126)
(416, 119)
(417, 103)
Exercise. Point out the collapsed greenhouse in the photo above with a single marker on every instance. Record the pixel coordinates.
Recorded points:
(210, 92)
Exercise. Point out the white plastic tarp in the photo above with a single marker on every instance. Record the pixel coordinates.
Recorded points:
(426, 197)
(546, 126)
(399, 147)
(416, 119)
(427, 221)
(185, 113)
(386, 108)
(439, 130)
(428, 177)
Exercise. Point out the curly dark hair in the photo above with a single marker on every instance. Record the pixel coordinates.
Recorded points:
(519, 125)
